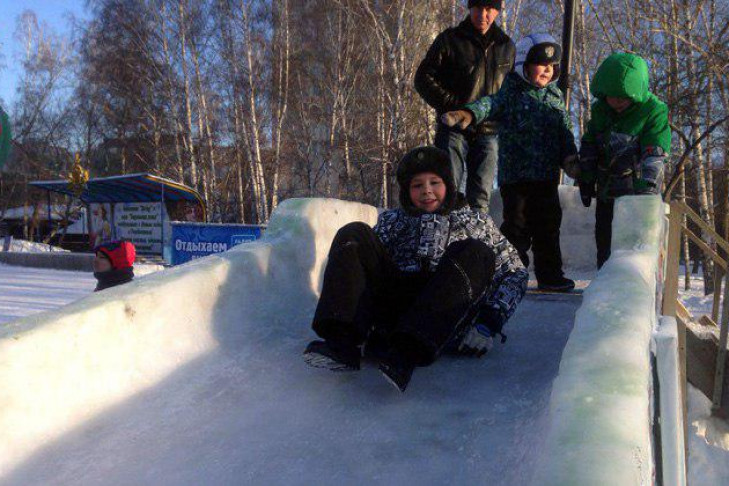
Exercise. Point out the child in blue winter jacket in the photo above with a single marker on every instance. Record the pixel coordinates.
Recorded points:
(431, 275)
(535, 140)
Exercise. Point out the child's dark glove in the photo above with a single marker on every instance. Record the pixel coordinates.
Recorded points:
(477, 341)
(642, 186)
(587, 192)
(588, 173)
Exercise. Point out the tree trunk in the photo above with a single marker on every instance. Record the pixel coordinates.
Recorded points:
(186, 91)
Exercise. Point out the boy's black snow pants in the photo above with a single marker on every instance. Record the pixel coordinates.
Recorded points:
(417, 313)
(532, 217)
(603, 229)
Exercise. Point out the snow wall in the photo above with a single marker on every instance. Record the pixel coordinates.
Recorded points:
(599, 429)
(61, 369)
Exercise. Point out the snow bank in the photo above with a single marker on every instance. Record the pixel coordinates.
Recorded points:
(32, 246)
(59, 370)
(708, 443)
(599, 426)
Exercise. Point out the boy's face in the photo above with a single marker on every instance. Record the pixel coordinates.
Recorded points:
(101, 263)
(427, 191)
(540, 74)
(483, 17)
(618, 104)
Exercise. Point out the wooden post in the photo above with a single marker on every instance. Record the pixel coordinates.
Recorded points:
(718, 277)
(670, 292)
(721, 356)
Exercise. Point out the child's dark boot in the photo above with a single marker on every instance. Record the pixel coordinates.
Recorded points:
(333, 355)
(397, 370)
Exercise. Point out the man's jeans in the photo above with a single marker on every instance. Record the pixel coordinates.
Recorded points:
(473, 158)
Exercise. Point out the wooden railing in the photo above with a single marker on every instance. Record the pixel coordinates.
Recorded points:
(673, 307)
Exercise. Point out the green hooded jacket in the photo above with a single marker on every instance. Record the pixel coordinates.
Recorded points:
(625, 151)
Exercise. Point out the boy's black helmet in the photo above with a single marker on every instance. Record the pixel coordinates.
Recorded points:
(425, 159)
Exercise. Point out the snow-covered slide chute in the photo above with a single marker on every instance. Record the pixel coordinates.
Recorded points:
(60, 369)
(194, 376)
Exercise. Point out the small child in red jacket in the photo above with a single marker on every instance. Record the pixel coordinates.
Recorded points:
(114, 264)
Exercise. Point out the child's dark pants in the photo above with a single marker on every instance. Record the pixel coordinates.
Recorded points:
(532, 217)
(419, 313)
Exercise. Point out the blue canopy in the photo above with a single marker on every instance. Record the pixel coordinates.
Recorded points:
(126, 189)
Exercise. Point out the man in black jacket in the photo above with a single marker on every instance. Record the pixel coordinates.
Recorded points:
(463, 64)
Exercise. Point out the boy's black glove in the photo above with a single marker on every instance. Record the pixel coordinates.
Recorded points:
(587, 193)
(588, 172)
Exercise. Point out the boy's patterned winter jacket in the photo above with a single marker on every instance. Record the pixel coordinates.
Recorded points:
(624, 153)
(417, 243)
(535, 134)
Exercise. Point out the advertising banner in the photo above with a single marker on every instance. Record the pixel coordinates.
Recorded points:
(196, 240)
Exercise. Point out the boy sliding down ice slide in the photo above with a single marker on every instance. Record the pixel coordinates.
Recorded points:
(535, 139)
(432, 275)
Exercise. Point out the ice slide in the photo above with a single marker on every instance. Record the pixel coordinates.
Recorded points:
(194, 376)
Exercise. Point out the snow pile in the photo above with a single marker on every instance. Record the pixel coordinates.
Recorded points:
(708, 443)
(599, 430)
(31, 246)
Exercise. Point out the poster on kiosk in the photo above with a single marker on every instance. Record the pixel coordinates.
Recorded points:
(146, 224)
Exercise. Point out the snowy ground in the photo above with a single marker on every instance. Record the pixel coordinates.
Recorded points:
(25, 291)
(694, 299)
(708, 436)
(259, 415)
(31, 246)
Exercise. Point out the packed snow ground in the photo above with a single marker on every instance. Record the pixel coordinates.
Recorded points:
(25, 291)
(258, 415)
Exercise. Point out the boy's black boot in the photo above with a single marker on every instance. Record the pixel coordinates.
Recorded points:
(397, 370)
(559, 284)
(332, 355)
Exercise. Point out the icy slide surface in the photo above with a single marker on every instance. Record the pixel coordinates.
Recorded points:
(255, 414)
(194, 376)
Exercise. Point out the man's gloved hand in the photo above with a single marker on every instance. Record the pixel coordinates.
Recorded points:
(477, 341)
(462, 118)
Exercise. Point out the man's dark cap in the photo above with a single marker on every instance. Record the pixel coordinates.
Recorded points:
(497, 4)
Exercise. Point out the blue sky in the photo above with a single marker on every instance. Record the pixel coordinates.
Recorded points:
(53, 12)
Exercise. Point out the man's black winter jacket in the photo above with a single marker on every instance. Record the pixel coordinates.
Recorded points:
(462, 66)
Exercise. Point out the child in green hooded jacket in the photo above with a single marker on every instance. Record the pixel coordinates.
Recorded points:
(625, 144)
